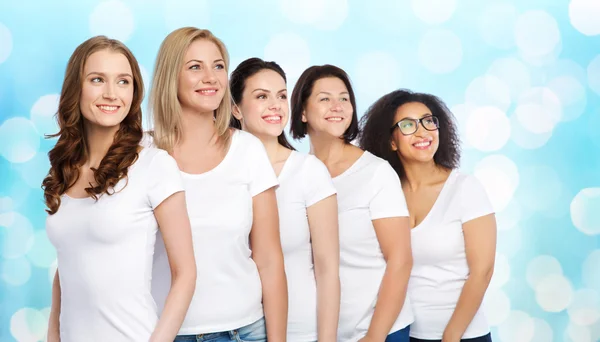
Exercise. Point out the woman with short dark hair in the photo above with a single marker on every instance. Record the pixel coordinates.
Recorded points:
(375, 255)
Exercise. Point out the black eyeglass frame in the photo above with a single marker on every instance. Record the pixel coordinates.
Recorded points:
(417, 123)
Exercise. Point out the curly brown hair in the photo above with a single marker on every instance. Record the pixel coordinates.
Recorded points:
(71, 151)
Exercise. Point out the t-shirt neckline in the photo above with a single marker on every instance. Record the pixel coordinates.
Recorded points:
(437, 200)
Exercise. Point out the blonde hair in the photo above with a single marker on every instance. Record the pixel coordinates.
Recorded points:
(164, 105)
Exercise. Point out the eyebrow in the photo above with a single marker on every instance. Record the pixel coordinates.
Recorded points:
(267, 91)
(422, 116)
(104, 75)
(201, 62)
(328, 93)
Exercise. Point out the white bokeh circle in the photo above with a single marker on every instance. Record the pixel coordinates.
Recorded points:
(496, 306)
(488, 129)
(540, 267)
(15, 272)
(182, 13)
(42, 254)
(539, 110)
(585, 307)
(510, 216)
(584, 211)
(525, 138)
(501, 272)
(572, 96)
(577, 333)
(488, 90)
(6, 205)
(518, 327)
(19, 140)
(371, 86)
(593, 74)
(440, 51)
(112, 18)
(589, 271)
(513, 73)
(18, 238)
(28, 324)
(500, 178)
(554, 293)
(6, 44)
(497, 25)
(584, 15)
(536, 33)
(291, 51)
(433, 11)
(542, 331)
(324, 15)
(43, 113)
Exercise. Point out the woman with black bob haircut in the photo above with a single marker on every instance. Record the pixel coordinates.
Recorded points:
(375, 254)
(306, 203)
(452, 220)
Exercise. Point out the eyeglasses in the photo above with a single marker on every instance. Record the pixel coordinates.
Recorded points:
(409, 126)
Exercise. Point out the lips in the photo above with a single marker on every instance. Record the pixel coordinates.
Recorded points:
(423, 144)
(274, 119)
(334, 119)
(207, 91)
(108, 109)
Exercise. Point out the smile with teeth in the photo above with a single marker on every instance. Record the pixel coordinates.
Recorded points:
(422, 144)
(108, 109)
(207, 91)
(334, 119)
(272, 118)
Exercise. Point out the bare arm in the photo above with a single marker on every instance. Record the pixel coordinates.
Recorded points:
(175, 228)
(480, 249)
(268, 256)
(393, 235)
(323, 222)
(54, 321)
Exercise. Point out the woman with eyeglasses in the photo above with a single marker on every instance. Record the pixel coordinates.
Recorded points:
(452, 220)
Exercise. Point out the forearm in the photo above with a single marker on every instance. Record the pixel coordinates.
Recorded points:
(54, 319)
(390, 301)
(275, 300)
(176, 306)
(328, 304)
(468, 303)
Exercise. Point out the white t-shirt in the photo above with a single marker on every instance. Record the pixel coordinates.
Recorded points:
(369, 190)
(104, 252)
(440, 265)
(303, 181)
(228, 288)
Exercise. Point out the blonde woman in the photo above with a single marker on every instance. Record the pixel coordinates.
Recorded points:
(241, 292)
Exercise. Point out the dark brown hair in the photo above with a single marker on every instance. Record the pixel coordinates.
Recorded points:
(302, 91)
(71, 151)
(237, 84)
(377, 123)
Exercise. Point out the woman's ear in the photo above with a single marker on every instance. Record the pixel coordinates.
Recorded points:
(237, 113)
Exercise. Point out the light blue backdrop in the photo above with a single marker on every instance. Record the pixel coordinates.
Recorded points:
(522, 77)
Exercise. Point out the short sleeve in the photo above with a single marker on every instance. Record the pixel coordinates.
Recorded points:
(474, 200)
(262, 175)
(164, 178)
(388, 200)
(317, 181)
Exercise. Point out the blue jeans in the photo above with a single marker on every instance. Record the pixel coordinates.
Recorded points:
(485, 338)
(401, 335)
(255, 332)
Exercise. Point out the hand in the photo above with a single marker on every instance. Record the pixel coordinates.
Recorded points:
(367, 338)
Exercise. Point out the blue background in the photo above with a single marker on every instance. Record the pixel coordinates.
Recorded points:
(522, 78)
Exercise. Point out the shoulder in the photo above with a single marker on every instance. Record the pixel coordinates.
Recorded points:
(465, 181)
(152, 155)
(311, 165)
(379, 167)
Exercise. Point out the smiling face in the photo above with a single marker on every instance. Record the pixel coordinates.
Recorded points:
(264, 109)
(107, 90)
(328, 109)
(420, 146)
(203, 78)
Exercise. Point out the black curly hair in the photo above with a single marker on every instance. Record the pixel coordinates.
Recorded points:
(376, 132)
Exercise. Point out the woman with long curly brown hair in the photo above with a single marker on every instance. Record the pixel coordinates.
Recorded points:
(107, 197)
